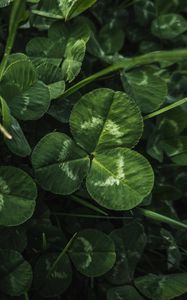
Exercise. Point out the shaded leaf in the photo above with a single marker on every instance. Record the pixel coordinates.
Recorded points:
(168, 26)
(15, 273)
(111, 38)
(130, 241)
(92, 252)
(61, 110)
(176, 149)
(18, 144)
(60, 166)
(27, 98)
(30, 104)
(162, 287)
(173, 252)
(13, 238)
(147, 88)
(123, 292)
(59, 279)
(17, 196)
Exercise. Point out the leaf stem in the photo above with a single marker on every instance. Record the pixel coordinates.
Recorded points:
(26, 296)
(15, 18)
(44, 241)
(92, 216)
(52, 268)
(160, 218)
(171, 56)
(88, 205)
(164, 109)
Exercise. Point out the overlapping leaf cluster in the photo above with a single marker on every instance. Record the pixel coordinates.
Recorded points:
(79, 155)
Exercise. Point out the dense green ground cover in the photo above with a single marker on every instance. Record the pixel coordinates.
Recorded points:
(93, 149)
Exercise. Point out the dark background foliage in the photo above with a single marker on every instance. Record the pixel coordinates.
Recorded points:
(118, 29)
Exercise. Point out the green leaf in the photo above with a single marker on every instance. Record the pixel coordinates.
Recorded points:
(18, 144)
(79, 35)
(123, 292)
(130, 241)
(48, 9)
(167, 6)
(30, 104)
(79, 30)
(52, 76)
(4, 3)
(147, 88)
(20, 72)
(68, 42)
(173, 252)
(56, 89)
(168, 26)
(43, 49)
(162, 287)
(144, 11)
(61, 110)
(48, 73)
(111, 38)
(119, 178)
(73, 59)
(59, 279)
(60, 166)
(92, 252)
(72, 8)
(15, 273)
(27, 98)
(106, 43)
(17, 196)
(176, 149)
(104, 119)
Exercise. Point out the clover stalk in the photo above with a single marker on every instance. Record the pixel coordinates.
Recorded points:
(160, 218)
(165, 109)
(171, 56)
(18, 8)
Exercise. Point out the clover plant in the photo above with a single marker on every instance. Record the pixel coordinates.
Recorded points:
(93, 123)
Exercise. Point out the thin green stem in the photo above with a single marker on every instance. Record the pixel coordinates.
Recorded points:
(88, 205)
(26, 296)
(130, 3)
(92, 216)
(44, 241)
(171, 56)
(54, 265)
(15, 18)
(52, 268)
(160, 218)
(164, 109)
